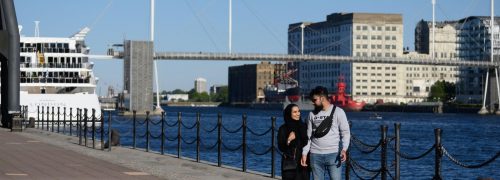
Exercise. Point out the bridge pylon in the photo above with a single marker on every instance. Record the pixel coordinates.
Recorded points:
(491, 94)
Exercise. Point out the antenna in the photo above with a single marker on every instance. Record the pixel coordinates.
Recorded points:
(37, 29)
(230, 25)
(302, 26)
(433, 29)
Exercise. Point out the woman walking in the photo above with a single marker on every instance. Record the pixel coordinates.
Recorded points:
(292, 137)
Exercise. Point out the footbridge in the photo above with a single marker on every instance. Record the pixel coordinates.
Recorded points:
(139, 58)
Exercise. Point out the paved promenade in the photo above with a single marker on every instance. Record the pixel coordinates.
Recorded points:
(30, 158)
(37, 154)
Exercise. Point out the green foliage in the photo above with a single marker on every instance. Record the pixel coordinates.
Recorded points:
(178, 91)
(442, 91)
(221, 96)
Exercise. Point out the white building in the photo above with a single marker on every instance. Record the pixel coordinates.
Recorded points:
(353, 34)
(177, 97)
(465, 39)
(200, 85)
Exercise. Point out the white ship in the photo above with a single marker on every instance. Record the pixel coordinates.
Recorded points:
(56, 72)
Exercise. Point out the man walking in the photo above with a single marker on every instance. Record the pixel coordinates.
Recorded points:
(325, 139)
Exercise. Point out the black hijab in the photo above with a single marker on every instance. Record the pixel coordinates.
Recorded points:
(291, 124)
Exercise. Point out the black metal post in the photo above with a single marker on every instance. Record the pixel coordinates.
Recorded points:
(85, 118)
(219, 140)
(162, 148)
(397, 147)
(102, 130)
(133, 130)
(38, 116)
(48, 114)
(93, 128)
(348, 165)
(383, 152)
(64, 120)
(273, 152)
(109, 131)
(439, 155)
(43, 113)
(147, 131)
(244, 143)
(70, 121)
(198, 117)
(79, 125)
(179, 120)
(348, 160)
(52, 119)
(58, 118)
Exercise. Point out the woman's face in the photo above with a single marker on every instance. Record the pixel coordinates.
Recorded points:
(295, 113)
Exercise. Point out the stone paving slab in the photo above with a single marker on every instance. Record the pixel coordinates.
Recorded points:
(162, 166)
(29, 158)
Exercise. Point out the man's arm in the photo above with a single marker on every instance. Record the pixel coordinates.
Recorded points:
(344, 130)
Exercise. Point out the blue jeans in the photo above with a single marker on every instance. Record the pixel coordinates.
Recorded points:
(322, 162)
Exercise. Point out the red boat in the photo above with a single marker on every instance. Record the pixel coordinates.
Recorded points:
(344, 101)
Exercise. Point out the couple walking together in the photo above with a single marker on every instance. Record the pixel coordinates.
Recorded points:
(318, 144)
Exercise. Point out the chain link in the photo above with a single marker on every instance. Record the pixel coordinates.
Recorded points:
(256, 134)
(234, 131)
(457, 162)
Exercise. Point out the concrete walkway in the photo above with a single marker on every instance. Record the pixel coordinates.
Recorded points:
(30, 158)
(136, 163)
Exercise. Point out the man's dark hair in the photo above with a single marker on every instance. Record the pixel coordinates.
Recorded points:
(318, 91)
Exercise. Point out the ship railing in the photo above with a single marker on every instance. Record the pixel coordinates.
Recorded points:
(54, 65)
(232, 138)
(47, 50)
(73, 80)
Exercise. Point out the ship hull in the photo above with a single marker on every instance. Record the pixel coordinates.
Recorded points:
(37, 102)
(353, 106)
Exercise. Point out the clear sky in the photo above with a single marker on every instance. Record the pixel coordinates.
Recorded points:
(259, 26)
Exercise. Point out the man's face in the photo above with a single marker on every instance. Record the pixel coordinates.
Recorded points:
(317, 100)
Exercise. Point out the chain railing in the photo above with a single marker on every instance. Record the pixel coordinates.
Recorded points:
(362, 172)
(52, 118)
(86, 125)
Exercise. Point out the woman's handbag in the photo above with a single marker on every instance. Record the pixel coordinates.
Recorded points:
(289, 163)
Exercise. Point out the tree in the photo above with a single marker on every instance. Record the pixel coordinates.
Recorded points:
(221, 95)
(178, 91)
(442, 91)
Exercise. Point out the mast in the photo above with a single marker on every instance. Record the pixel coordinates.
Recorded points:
(151, 38)
(492, 24)
(37, 29)
(433, 29)
(230, 25)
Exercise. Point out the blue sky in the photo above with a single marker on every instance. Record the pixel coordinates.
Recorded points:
(259, 26)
